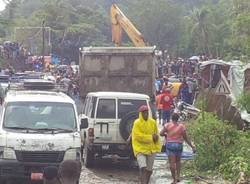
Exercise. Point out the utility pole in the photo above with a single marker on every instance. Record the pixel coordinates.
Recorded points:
(43, 49)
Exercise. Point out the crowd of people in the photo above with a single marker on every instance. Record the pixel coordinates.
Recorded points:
(13, 50)
(51, 66)
(145, 134)
(67, 78)
(22, 57)
(178, 80)
(179, 67)
(168, 93)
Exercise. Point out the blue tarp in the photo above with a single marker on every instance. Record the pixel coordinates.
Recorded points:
(185, 156)
(55, 60)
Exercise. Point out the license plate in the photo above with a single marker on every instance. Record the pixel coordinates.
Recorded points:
(105, 147)
(36, 176)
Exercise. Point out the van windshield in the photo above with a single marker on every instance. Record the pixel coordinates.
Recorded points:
(40, 115)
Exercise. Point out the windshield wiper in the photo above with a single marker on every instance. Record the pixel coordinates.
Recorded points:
(56, 130)
(61, 130)
(22, 128)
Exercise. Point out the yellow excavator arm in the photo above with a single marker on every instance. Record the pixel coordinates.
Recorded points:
(121, 22)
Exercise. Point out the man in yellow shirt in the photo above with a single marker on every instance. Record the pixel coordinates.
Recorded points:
(145, 142)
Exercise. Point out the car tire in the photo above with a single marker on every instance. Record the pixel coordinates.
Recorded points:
(126, 124)
(89, 157)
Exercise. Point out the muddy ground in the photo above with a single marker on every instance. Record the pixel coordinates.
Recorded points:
(125, 172)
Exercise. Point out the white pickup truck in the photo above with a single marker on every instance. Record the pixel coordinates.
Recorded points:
(109, 118)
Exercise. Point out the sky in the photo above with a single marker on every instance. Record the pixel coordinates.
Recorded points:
(2, 5)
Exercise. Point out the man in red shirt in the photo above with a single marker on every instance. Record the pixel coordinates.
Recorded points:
(167, 104)
(159, 107)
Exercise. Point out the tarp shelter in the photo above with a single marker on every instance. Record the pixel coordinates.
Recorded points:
(238, 77)
(210, 72)
(239, 81)
(195, 58)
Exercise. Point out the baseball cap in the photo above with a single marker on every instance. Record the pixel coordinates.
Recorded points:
(143, 108)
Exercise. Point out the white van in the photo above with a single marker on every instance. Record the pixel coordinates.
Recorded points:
(37, 129)
(109, 117)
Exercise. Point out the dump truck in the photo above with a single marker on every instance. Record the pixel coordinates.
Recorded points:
(117, 69)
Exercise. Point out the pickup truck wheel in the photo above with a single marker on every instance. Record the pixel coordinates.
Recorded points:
(127, 123)
(89, 157)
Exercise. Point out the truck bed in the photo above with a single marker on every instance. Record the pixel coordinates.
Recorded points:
(126, 69)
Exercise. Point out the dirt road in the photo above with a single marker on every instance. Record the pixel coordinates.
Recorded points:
(105, 171)
(123, 172)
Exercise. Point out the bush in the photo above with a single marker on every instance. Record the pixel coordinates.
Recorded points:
(220, 146)
(239, 161)
(244, 101)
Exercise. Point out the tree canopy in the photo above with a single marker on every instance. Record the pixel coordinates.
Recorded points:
(218, 28)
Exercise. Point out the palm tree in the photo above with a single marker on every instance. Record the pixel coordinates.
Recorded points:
(202, 29)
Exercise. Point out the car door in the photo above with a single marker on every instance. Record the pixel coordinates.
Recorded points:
(87, 107)
(105, 120)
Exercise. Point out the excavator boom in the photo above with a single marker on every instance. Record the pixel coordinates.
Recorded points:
(121, 22)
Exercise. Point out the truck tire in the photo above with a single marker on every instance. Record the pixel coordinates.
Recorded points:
(127, 123)
(89, 157)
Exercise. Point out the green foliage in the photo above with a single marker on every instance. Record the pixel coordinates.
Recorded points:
(213, 139)
(244, 101)
(219, 28)
(239, 161)
(72, 23)
(220, 146)
(160, 23)
(241, 27)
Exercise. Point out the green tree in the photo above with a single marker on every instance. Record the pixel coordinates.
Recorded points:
(73, 25)
(159, 22)
(241, 28)
(184, 27)
(203, 30)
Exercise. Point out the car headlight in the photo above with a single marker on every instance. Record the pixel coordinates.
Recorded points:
(9, 153)
(72, 154)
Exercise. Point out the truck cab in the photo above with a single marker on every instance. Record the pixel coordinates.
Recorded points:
(37, 129)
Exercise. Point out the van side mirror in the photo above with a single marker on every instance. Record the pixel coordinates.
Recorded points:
(84, 123)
